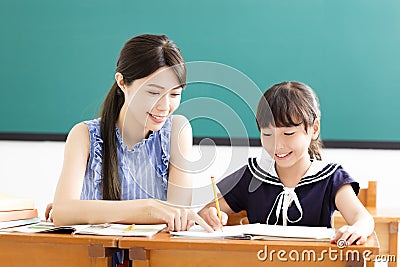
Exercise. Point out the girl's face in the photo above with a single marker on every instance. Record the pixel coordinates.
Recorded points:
(152, 99)
(288, 145)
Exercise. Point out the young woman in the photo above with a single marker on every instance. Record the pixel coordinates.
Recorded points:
(128, 165)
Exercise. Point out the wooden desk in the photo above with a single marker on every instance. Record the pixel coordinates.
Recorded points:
(386, 228)
(38, 250)
(162, 250)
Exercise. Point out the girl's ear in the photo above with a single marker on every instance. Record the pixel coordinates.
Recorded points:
(120, 81)
(316, 129)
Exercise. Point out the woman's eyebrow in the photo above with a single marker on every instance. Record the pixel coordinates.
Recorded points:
(156, 85)
(162, 87)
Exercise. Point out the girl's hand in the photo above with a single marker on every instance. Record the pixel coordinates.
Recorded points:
(177, 219)
(347, 235)
(211, 217)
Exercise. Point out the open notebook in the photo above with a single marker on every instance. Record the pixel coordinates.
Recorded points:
(146, 230)
(262, 232)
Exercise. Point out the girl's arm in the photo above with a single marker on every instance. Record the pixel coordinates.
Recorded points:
(360, 222)
(69, 209)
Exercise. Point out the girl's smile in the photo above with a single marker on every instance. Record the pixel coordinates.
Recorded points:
(283, 156)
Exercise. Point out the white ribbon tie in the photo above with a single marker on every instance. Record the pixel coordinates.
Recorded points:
(282, 202)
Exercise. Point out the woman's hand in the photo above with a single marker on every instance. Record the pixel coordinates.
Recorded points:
(177, 219)
(347, 235)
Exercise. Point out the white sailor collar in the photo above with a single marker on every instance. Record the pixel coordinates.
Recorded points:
(263, 168)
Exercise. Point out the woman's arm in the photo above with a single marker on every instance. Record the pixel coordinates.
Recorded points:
(69, 209)
(179, 175)
(360, 222)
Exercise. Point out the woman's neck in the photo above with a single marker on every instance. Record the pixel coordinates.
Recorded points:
(291, 176)
(132, 132)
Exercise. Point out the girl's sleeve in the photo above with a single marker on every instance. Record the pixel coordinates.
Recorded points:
(234, 189)
(340, 178)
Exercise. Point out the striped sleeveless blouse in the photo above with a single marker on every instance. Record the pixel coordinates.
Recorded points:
(143, 170)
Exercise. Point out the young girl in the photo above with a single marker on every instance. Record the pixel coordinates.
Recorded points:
(124, 165)
(292, 186)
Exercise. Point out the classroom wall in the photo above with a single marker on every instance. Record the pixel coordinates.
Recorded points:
(32, 168)
(61, 55)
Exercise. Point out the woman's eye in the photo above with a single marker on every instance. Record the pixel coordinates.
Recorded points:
(153, 93)
(175, 95)
(290, 133)
(267, 134)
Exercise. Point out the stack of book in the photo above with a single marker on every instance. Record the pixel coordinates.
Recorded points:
(16, 211)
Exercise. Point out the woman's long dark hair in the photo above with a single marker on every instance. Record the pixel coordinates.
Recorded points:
(141, 56)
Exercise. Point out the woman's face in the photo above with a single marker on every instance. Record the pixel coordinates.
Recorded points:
(152, 99)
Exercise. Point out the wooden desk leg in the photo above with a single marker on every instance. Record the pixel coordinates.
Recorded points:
(393, 242)
(99, 254)
(354, 263)
(140, 257)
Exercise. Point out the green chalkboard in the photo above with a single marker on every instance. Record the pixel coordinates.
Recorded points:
(57, 60)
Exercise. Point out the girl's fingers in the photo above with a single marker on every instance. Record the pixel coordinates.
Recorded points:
(224, 218)
(214, 217)
(196, 218)
(347, 234)
(361, 240)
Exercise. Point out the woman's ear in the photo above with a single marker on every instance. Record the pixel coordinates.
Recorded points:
(316, 129)
(120, 81)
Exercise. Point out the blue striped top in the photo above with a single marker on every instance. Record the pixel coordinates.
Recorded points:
(143, 170)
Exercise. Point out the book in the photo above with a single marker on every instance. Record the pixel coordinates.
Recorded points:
(8, 224)
(13, 215)
(261, 232)
(294, 233)
(197, 231)
(10, 202)
(43, 227)
(145, 230)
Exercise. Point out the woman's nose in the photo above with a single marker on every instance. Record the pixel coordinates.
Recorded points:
(163, 102)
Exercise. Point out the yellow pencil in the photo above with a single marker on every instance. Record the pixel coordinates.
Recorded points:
(216, 199)
(129, 228)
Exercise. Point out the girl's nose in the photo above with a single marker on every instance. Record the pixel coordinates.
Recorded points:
(279, 144)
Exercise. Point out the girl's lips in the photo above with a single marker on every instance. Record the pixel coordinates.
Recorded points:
(283, 155)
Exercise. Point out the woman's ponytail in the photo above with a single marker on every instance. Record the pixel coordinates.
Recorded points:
(111, 184)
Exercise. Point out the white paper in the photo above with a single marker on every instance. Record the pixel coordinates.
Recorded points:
(198, 232)
(290, 231)
(260, 230)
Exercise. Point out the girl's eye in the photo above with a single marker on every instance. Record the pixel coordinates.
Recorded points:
(153, 93)
(175, 95)
(291, 133)
(267, 134)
